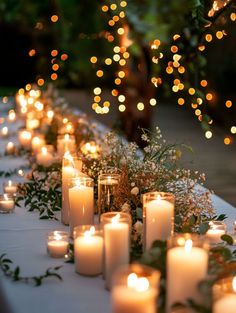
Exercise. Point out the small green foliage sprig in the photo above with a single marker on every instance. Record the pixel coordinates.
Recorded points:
(42, 192)
(14, 273)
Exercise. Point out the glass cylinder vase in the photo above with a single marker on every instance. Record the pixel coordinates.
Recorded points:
(224, 295)
(158, 217)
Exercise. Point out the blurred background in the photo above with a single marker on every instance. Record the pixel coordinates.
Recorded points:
(135, 64)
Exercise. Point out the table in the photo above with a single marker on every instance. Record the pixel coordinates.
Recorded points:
(23, 238)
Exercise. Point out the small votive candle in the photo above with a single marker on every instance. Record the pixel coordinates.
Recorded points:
(88, 250)
(57, 244)
(37, 143)
(11, 116)
(25, 137)
(4, 131)
(7, 203)
(44, 158)
(216, 230)
(224, 295)
(158, 216)
(10, 147)
(135, 289)
(10, 187)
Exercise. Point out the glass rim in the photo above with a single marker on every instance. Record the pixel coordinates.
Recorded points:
(79, 230)
(62, 233)
(8, 195)
(197, 240)
(107, 217)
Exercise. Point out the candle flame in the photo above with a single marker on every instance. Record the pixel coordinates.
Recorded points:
(10, 144)
(26, 134)
(69, 157)
(57, 236)
(234, 284)
(67, 137)
(89, 233)
(5, 196)
(115, 219)
(188, 245)
(158, 197)
(5, 130)
(9, 183)
(44, 150)
(139, 284)
(50, 114)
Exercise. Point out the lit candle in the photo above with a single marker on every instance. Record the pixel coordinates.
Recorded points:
(227, 301)
(88, 251)
(135, 291)
(186, 267)
(4, 131)
(70, 167)
(116, 242)
(58, 243)
(7, 204)
(25, 137)
(216, 230)
(65, 143)
(37, 143)
(81, 201)
(44, 158)
(10, 147)
(158, 216)
(10, 187)
(32, 124)
(11, 116)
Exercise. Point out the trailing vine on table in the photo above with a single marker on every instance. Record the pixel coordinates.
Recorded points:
(14, 273)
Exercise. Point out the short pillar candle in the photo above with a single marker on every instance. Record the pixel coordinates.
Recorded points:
(7, 203)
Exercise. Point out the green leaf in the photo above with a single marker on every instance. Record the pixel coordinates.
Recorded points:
(228, 239)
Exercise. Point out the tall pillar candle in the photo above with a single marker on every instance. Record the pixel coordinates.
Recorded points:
(88, 250)
(158, 216)
(224, 295)
(187, 262)
(116, 227)
(81, 200)
(70, 167)
(135, 289)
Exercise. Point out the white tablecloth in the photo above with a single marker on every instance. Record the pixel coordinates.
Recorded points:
(23, 238)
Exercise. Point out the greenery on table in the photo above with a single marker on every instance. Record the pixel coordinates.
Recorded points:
(14, 273)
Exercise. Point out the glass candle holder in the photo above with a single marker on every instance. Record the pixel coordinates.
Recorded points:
(224, 295)
(37, 143)
(25, 137)
(7, 203)
(158, 217)
(45, 157)
(10, 148)
(71, 166)
(135, 289)
(116, 231)
(216, 230)
(10, 187)
(88, 250)
(81, 201)
(107, 186)
(57, 244)
(66, 143)
(187, 262)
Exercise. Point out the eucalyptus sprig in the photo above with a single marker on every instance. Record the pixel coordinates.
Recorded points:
(14, 273)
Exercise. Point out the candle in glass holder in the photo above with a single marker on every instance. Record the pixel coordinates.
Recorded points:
(10, 187)
(57, 244)
(37, 143)
(216, 230)
(25, 138)
(88, 250)
(4, 131)
(44, 158)
(116, 228)
(135, 289)
(71, 165)
(65, 143)
(187, 262)
(11, 116)
(107, 186)
(224, 295)
(158, 216)
(81, 200)
(7, 203)
(10, 147)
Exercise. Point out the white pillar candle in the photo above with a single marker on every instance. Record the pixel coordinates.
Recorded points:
(57, 245)
(10, 187)
(7, 204)
(81, 200)
(158, 217)
(226, 302)
(44, 158)
(216, 230)
(116, 245)
(186, 267)
(88, 252)
(25, 137)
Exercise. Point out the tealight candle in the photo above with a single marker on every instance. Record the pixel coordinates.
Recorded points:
(44, 158)
(224, 294)
(10, 147)
(135, 289)
(81, 200)
(57, 244)
(5, 131)
(216, 230)
(88, 250)
(158, 216)
(25, 137)
(116, 228)
(7, 203)
(10, 187)
(187, 262)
